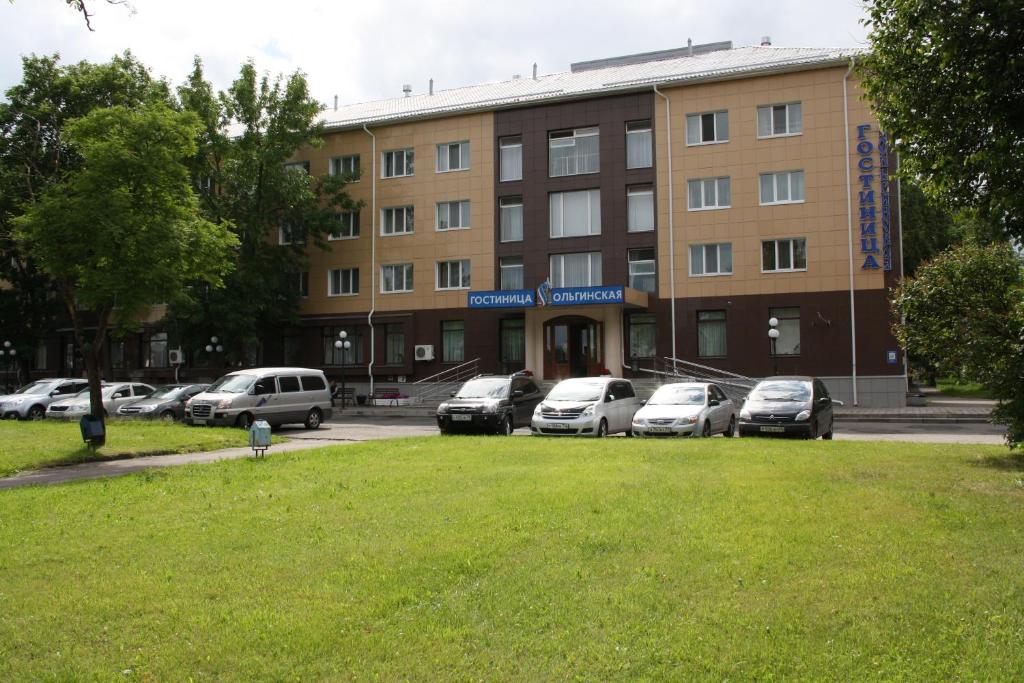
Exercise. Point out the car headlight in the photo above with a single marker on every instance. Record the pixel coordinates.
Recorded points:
(803, 415)
(146, 409)
(224, 403)
(10, 403)
(691, 420)
(588, 411)
(442, 409)
(744, 414)
(79, 408)
(537, 411)
(489, 407)
(639, 422)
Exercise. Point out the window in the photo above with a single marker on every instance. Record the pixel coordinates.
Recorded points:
(511, 268)
(575, 214)
(118, 358)
(511, 219)
(642, 269)
(347, 166)
(452, 156)
(510, 162)
(576, 270)
(453, 215)
(702, 129)
(782, 188)
(709, 193)
(639, 145)
(788, 343)
(779, 119)
(453, 341)
(394, 344)
(640, 208)
(350, 356)
(572, 152)
(396, 278)
(396, 220)
(711, 334)
(313, 383)
(711, 259)
(297, 166)
(643, 334)
(289, 233)
(348, 226)
(396, 163)
(453, 274)
(39, 359)
(291, 347)
(154, 350)
(342, 281)
(288, 384)
(302, 283)
(513, 340)
(779, 256)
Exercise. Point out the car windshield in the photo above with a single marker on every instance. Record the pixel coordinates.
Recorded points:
(678, 396)
(577, 391)
(168, 392)
(484, 388)
(783, 390)
(83, 393)
(37, 388)
(232, 384)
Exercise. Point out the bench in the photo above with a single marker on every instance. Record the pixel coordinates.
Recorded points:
(385, 396)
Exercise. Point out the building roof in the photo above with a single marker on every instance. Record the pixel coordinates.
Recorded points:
(621, 74)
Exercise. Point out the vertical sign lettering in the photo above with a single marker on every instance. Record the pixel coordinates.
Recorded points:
(871, 247)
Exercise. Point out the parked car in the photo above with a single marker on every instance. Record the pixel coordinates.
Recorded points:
(277, 395)
(167, 402)
(586, 406)
(797, 406)
(30, 401)
(490, 403)
(686, 409)
(114, 395)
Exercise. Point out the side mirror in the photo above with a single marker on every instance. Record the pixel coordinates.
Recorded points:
(517, 393)
(837, 403)
(714, 402)
(54, 392)
(452, 393)
(609, 398)
(643, 401)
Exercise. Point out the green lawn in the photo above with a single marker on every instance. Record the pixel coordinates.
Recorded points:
(526, 559)
(954, 387)
(30, 445)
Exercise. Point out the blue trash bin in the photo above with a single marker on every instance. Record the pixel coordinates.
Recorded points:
(259, 437)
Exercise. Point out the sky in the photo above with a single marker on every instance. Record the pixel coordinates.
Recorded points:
(363, 51)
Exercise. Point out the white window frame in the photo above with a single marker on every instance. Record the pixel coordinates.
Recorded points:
(353, 225)
(349, 275)
(770, 110)
(510, 203)
(561, 214)
(590, 268)
(629, 267)
(502, 267)
(704, 259)
(636, 128)
(405, 268)
(463, 267)
(297, 166)
(408, 218)
(700, 124)
(337, 164)
(636, 191)
(574, 134)
(778, 176)
(463, 210)
(792, 254)
(704, 205)
(408, 161)
(290, 240)
(463, 146)
(303, 279)
(503, 144)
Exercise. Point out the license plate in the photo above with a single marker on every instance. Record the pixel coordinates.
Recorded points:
(198, 421)
(659, 430)
(559, 426)
(462, 418)
(778, 430)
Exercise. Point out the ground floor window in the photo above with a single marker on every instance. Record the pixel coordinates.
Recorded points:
(336, 356)
(154, 350)
(788, 343)
(39, 359)
(118, 359)
(513, 340)
(291, 347)
(453, 341)
(394, 344)
(711, 334)
(643, 333)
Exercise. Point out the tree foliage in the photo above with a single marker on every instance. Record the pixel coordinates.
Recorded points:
(947, 81)
(123, 231)
(964, 313)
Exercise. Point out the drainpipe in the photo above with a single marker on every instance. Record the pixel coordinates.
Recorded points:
(671, 224)
(849, 229)
(899, 231)
(373, 251)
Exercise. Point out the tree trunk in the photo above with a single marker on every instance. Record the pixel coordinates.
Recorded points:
(90, 354)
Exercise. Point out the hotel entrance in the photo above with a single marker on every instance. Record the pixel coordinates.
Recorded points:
(572, 347)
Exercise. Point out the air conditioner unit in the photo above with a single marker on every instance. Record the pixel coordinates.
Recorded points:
(424, 352)
(176, 357)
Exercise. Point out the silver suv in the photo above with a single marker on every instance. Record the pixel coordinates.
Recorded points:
(30, 402)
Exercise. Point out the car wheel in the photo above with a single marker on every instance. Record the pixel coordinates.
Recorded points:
(629, 433)
(313, 418)
(506, 426)
(828, 435)
(706, 432)
(168, 415)
(730, 431)
(602, 428)
(243, 421)
(36, 413)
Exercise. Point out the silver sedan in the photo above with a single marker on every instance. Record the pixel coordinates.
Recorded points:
(686, 409)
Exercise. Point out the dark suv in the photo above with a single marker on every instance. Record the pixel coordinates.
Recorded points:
(490, 403)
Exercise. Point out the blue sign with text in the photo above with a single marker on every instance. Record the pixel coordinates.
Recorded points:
(578, 296)
(560, 296)
(502, 298)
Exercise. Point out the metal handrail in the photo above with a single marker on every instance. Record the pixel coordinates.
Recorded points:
(438, 384)
(456, 369)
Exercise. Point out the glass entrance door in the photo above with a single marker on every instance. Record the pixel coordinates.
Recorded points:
(572, 348)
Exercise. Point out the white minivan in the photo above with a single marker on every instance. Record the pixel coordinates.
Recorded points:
(277, 395)
(586, 406)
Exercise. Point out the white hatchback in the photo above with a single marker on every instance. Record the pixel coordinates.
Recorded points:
(586, 406)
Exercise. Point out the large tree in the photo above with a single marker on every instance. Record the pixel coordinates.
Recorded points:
(123, 231)
(964, 313)
(248, 134)
(947, 81)
(35, 154)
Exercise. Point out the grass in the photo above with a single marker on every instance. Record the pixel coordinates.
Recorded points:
(950, 386)
(527, 559)
(31, 445)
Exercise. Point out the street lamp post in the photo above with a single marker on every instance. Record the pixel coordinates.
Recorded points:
(8, 352)
(215, 345)
(343, 345)
(773, 335)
